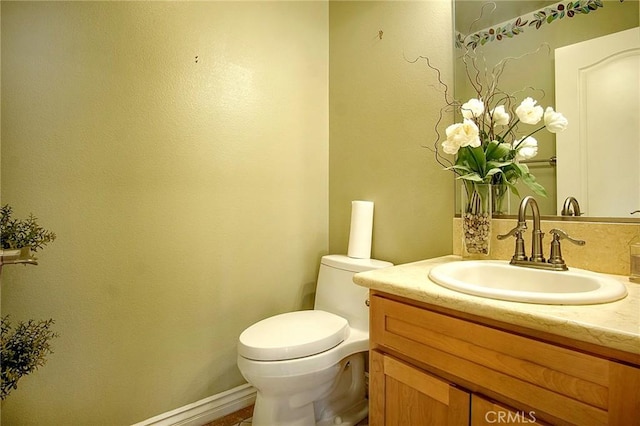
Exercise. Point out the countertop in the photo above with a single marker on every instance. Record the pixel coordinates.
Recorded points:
(614, 325)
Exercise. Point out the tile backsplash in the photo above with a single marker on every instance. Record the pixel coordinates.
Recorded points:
(606, 250)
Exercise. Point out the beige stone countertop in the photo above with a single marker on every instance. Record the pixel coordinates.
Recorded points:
(613, 325)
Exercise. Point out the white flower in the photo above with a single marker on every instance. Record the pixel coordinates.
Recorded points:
(526, 149)
(554, 121)
(460, 135)
(499, 116)
(472, 108)
(528, 112)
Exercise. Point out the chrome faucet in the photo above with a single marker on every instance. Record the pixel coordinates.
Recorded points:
(570, 204)
(537, 259)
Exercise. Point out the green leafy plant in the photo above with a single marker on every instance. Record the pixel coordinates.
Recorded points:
(23, 350)
(15, 233)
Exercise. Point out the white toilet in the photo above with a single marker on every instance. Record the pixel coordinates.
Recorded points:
(308, 366)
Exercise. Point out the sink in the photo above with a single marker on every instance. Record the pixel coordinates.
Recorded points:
(497, 279)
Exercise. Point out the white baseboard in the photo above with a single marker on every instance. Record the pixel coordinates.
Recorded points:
(206, 410)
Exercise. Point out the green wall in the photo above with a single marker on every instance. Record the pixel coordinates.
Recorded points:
(180, 150)
(383, 110)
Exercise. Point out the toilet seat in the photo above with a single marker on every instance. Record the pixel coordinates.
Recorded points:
(293, 335)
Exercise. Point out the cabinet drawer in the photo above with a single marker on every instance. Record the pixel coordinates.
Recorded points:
(565, 384)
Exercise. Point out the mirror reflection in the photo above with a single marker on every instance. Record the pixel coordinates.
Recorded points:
(530, 32)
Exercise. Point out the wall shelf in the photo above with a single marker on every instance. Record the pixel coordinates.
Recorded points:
(17, 256)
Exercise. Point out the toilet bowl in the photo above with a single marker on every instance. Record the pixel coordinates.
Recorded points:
(308, 367)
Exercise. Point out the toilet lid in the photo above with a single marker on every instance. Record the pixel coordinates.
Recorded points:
(292, 335)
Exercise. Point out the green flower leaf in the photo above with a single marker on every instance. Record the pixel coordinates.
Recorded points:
(477, 162)
(494, 171)
(471, 177)
(530, 181)
(498, 164)
(497, 151)
(513, 188)
(459, 168)
(522, 171)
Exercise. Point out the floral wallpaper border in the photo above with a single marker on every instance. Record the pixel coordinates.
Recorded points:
(536, 19)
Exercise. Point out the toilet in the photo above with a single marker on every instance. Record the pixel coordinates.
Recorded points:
(309, 366)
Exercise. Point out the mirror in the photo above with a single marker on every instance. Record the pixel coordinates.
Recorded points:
(543, 26)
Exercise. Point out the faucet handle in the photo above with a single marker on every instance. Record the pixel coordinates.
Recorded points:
(559, 234)
(555, 258)
(515, 232)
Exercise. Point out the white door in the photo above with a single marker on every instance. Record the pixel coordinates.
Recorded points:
(598, 90)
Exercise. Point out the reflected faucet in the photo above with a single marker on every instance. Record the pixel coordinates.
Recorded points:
(571, 204)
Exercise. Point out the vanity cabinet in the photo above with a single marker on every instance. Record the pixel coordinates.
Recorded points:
(405, 395)
(428, 367)
(485, 412)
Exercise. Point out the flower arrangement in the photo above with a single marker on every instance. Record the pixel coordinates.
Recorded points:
(491, 141)
(488, 151)
(487, 148)
(489, 144)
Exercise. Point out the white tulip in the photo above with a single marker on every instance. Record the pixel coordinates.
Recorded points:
(527, 149)
(554, 121)
(473, 108)
(528, 112)
(460, 135)
(499, 116)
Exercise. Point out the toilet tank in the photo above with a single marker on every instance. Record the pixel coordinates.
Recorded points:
(337, 293)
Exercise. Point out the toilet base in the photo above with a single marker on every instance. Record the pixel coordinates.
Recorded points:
(269, 412)
(304, 416)
(349, 418)
(340, 400)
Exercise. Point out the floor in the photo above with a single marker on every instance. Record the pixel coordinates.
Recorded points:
(239, 418)
(243, 418)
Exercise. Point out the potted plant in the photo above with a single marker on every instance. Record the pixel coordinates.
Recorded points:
(19, 237)
(22, 350)
(25, 347)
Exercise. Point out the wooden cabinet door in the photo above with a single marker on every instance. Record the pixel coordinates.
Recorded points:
(401, 395)
(489, 413)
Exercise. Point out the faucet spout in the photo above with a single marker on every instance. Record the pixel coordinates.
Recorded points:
(536, 239)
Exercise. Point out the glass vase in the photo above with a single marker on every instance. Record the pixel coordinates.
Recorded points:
(476, 219)
(500, 199)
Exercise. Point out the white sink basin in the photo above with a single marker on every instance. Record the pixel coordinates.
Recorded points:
(497, 279)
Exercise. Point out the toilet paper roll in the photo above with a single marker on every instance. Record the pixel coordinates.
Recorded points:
(361, 229)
